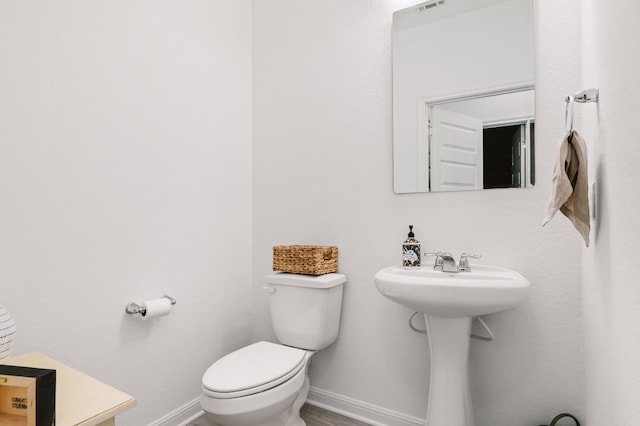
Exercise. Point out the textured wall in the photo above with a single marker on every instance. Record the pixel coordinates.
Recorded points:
(125, 174)
(322, 175)
(611, 56)
(124, 125)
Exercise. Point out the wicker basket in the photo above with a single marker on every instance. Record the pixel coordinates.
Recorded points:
(310, 260)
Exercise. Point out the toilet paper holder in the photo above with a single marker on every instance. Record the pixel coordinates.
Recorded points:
(133, 308)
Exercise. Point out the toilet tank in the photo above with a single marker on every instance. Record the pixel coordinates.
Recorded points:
(305, 309)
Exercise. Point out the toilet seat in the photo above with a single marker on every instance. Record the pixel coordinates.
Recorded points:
(252, 369)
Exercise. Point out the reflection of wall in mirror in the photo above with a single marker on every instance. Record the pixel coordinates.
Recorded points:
(499, 108)
(490, 47)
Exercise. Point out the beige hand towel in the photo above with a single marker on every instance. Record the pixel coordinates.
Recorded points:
(570, 192)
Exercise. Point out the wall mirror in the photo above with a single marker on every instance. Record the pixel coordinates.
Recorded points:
(463, 96)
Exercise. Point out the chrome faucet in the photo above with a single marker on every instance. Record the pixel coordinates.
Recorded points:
(438, 264)
(449, 263)
(446, 263)
(464, 261)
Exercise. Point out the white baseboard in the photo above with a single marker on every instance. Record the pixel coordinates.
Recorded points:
(181, 416)
(359, 410)
(348, 407)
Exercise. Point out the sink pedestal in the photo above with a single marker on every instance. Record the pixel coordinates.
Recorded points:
(449, 402)
(449, 302)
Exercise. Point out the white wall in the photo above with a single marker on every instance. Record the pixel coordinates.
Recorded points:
(125, 174)
(123, 122)
(322, 175)
(611, 57)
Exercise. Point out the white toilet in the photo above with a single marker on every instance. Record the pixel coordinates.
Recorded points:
(266, 383)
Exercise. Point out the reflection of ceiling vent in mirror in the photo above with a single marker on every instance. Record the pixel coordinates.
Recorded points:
(430, 5)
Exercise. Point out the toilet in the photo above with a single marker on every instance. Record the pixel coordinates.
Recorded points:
(267, 383)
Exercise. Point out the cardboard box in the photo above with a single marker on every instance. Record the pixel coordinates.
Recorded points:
(27, 396)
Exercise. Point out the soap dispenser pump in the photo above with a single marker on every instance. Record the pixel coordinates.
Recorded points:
(411, 251)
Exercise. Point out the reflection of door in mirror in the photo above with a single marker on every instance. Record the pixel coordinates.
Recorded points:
(455, 150)
(447, 51)
(516, 156)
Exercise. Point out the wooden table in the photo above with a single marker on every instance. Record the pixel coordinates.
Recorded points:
(81, 400)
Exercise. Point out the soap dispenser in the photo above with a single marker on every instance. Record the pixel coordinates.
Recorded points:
(411, 251)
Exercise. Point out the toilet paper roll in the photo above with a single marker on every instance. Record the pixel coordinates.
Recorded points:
(156, 308)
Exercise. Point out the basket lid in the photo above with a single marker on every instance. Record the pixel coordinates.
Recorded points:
(311, 281)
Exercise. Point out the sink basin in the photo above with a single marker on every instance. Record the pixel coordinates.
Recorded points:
(485, 290)
(448, 302)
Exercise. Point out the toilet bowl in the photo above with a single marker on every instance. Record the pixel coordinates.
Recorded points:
(266, 384)
(261, 384)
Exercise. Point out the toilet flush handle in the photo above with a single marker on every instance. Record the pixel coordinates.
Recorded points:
(269, 289)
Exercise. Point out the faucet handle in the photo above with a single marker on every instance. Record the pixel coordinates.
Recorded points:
(463, 265)
(439, 262)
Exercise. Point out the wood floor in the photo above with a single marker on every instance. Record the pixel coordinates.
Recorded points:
(312, 415)
(315, 416)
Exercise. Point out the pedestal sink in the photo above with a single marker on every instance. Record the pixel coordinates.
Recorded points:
(449, 301)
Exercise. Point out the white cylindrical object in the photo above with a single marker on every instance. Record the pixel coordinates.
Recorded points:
(156, 308)
(7, 333)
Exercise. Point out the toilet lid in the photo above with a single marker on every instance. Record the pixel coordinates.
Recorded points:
(254, 368)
